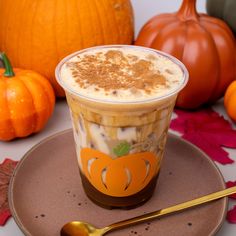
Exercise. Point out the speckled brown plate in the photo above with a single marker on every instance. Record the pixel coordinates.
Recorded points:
(46, 192)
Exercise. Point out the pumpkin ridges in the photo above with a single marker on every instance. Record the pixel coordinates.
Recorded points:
(6, 26)
(38, 28)
(18, 41)
(49, 55)
(80, 25)
(59, 42)
(148, 32)
(21, 49)
(196, 35)
(182, 34)
(38, 94)
(183, 44)
(3, 27)
(34, 111)
(26, 48)
(71, 34)
(90, 16)
(114, 19)
(22, 116)
(46, 87)
(227, 65)
(95, 15)
(49, 92)
(6, 128)
(100, 17)
(123, 20)
(13, 21)
(217, 58)
(4, 113)
(85, 25)
(106, 22)
(54, 30)
(130, 23)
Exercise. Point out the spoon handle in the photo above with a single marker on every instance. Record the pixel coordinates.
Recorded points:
(172, 209)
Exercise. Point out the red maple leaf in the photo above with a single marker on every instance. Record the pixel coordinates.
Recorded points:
(207, 130)
(6, 169)
(231, 215)
(231, 184)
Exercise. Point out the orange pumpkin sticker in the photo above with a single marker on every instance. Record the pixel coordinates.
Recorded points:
(119, 177)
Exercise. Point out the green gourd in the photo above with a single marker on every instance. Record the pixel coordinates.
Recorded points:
(223, 9)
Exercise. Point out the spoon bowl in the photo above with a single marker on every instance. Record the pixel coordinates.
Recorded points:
(78, 228)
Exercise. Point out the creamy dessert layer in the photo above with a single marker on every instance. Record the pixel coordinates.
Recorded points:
(121, 74)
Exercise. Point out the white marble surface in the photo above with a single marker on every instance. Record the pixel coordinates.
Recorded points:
(144, 9)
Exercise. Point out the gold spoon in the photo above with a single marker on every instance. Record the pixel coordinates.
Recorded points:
(78, 228)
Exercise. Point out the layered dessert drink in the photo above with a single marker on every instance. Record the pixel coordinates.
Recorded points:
(121, 99)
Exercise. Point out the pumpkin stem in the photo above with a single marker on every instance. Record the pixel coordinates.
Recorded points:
(7, 65)
(188, 10)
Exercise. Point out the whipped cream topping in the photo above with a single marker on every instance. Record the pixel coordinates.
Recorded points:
(121, 74)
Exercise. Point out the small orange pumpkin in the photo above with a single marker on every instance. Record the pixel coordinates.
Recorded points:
(37, 34)
(204, 44)
(119, 177)
(26, 101)
(230, 100)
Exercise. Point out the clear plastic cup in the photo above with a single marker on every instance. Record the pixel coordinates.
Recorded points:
(120, 144)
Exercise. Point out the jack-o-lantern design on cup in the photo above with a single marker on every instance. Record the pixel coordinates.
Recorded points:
(124, 176)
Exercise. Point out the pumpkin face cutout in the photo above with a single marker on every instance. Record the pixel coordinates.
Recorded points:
(119, 177)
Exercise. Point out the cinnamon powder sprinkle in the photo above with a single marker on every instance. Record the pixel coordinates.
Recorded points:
(112, 70)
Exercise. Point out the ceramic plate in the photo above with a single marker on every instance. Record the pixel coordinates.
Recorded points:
(46, 192)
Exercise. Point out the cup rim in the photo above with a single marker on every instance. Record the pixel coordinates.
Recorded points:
(109, 101)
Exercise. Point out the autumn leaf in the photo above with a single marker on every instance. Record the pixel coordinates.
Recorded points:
(6, 169)
(208, 130)
(122, 149)
(231, 215)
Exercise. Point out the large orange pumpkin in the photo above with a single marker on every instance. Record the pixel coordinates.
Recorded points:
(26, 101)
(203, 43)
(38, 34)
